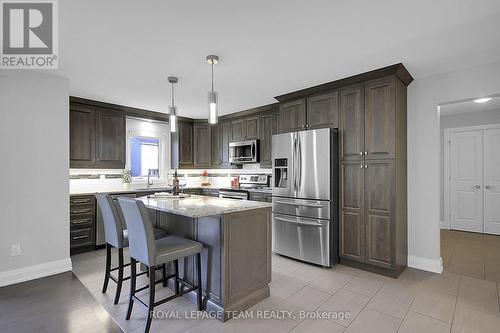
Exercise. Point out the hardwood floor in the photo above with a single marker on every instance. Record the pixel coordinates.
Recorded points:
(59, 303)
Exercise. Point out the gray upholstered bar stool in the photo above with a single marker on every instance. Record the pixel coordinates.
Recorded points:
(116, 236)
(145, 249)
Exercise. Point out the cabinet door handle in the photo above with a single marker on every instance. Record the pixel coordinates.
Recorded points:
(366, 153)
(366, 166)
(79, 237)
(360, 153)
(361, 166)
(489, 187)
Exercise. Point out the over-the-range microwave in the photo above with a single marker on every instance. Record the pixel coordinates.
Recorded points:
(244, 152)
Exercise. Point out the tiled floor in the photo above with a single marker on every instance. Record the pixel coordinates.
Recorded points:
(416, 302)
(471, 254)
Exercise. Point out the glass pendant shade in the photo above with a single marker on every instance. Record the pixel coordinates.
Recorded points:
(172, 119)
(212, 107)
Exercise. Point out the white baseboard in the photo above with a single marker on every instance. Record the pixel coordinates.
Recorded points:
(35, 272)
(426, 264)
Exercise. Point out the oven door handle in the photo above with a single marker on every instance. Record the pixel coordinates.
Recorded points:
(312, 224)
(299, 204)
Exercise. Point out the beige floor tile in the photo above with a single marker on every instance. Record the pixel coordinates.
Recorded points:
(286, 287)
(435, 304)
(467, 320)
(317, 326)
(308, 299)
(479, 295)
(418, 323)
(347, 302)
(339, 268)
(331, 282)
(370, 321)
(285, 267)
(445, 282)
(466, 263)
(492, 267)
(393, 299)
(309, 273)
(365, 283)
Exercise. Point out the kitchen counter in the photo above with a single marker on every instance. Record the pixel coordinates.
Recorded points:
(199, 206)
(126, 188)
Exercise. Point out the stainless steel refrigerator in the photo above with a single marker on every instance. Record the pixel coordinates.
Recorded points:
(305, 192)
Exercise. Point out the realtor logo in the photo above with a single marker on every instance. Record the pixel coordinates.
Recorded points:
(29, 34)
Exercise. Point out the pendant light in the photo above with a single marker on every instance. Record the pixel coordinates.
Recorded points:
(212, 95)
(172, 109)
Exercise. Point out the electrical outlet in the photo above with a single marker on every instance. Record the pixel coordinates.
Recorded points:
(15, 250)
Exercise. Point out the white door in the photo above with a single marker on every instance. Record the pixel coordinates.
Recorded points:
(466, 173)
(492, 181)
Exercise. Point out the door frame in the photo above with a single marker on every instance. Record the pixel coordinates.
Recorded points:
(446, 165)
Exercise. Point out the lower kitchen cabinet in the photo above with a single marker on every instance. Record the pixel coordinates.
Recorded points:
(82, 214)
(373, 216)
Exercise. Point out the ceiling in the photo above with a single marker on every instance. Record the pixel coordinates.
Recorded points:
(469, 107)
(123, 51)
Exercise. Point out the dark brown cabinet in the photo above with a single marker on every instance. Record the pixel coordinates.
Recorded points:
(317, 111)
(266, 135)
(97, 138)
(202, 145)
(185, 145)
(225, 138)
(292, 116)
(351, 123)
(245, 128)
(322, 110)
(110, 140)
(216, 145)
(380, 118)
(352, 237)
(82, 137)
(82, 222)
(373, 221)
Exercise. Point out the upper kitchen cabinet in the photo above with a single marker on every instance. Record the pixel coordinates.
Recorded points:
(97, 138)
(323, 110)
(351, 123)
(380, 118)
(225, 138)
(185, 144)
(216, 150)
(82, 137)
(292, 116)
(266, 134)
(245, 128)
(110, 139)
(202, 145)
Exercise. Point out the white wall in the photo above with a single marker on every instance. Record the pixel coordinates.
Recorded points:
(461, 120)
(423, 152)
(34, 194)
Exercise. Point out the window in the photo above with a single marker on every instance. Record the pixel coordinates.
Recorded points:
(144, 155)
(148, 147)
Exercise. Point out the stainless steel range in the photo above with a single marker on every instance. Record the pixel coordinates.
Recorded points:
(305, 192)
(247, 183)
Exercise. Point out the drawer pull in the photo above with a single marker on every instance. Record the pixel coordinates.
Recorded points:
(81, 201)
(81, 211)
(79, 237)
(81, 221)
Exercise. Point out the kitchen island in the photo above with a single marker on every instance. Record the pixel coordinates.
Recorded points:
(236, 257)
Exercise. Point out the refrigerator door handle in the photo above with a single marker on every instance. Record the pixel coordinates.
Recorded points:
(299, 204)
(300, 162)
(297, 222)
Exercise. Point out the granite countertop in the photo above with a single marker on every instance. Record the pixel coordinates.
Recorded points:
(125, 188)
(200, 206)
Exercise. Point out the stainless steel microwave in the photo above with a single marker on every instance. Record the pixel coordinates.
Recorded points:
(244, 152)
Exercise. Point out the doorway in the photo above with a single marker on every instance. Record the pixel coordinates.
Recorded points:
(470, 188)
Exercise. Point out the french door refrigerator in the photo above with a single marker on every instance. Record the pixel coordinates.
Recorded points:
(305, 192)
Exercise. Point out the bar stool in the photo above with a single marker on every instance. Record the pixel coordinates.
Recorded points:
(117, 237)
(145, 249)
